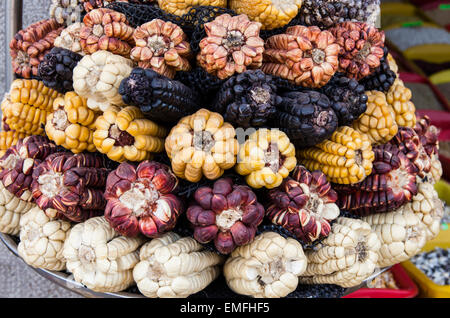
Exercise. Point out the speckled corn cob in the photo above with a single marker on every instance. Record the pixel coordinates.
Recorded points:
(345, 158)
(27, 104)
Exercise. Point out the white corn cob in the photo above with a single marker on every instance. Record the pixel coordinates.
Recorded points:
(401, 233)
(42, 240)
(171, 266)
(98, 76)
(11, 210)
(346, 257)
(427, 206)
(268, 267)
(99, 257)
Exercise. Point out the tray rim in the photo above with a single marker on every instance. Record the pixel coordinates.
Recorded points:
(65, 280)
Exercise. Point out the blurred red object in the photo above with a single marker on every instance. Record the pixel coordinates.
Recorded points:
(407, 288)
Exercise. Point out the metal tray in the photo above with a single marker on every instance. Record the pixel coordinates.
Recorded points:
(66, 281)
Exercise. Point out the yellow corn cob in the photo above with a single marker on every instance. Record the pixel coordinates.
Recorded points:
(126, 135)
(72, 123)
(399, 98)
(271, 13)
(266, 158)
(180, 7)
(27, 105)
(378, 121)
(9, 139)
(202, 144)
(345, 158)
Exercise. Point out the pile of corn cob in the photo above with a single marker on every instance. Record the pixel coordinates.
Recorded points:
(100, 139)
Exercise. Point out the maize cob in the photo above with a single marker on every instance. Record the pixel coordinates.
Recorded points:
(27, 104)
(202, 144)
(345, 158)
(72, 123)
(42, 239)
(159, 274)
(268, 267)
(346, 257)
(378, 121)
(401, 233)
(127, 135)
(266, 158)
(9, 139)
(399, 98)
(271, 13)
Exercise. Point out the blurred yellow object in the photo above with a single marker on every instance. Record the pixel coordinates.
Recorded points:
(431, 53)
(442, 187)
(441, 77)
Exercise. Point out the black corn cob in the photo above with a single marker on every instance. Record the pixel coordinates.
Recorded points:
(248, 99)
(348, 98)
(306, 117)
(383, 77)
(159, 98)
(56, 70)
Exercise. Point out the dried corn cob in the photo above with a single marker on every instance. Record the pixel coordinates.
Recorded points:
(266, 158)
(271, 13)
(106, 29)
(21, 159)
(174, 266)
(9, 139)
(161, 46)
(180, 7)
(42, 240)
(401, 233)
(427, 206)
(346, 257)
(399, 98)
(72, 123)
(99, 257)
(304, 205)
(69, 186)
(11, 210)
(391, 184)
(97, 77)
(268, 267)
(202, 144)
(27, 104)
(126, 135)
(158, 97)
(29, 46)
(378, 121)
(232, 45)
(345, 158)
